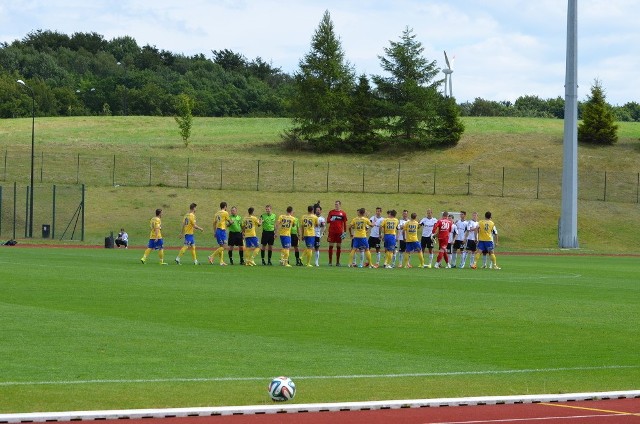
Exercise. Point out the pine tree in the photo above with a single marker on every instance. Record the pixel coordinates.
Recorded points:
(409, 92)
(323, 87)
(597, 125)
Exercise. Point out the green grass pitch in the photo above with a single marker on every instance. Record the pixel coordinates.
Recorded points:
(95, 329)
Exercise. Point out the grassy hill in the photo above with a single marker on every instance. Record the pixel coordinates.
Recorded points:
(525, 224)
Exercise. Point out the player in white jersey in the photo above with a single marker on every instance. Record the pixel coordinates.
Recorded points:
(458, 242)
(319, 233)
(470, 240)
(426, 242)
(374, 234)
(402, 244)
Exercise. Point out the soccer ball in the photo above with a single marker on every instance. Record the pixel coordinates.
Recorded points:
(282, 389)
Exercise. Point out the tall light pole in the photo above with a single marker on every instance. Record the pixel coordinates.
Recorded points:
(568, 231)
(124, 106)
(33, 133)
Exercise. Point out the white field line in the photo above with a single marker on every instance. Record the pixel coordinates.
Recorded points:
(314, 377)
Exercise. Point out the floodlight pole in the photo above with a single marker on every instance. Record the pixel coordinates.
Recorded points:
(568, 231)
(33, 133)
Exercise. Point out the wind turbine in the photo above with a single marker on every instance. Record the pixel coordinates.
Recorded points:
(447, 75)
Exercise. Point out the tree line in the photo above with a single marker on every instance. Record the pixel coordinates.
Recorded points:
(332, 108)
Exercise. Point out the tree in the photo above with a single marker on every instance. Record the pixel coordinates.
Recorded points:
(597, 125)
(410, 92)
(322, 90)
(184, 118)
(361, 117)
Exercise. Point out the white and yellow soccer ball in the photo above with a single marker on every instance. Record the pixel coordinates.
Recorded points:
(282, 389)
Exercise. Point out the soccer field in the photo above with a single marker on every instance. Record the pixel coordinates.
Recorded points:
(86, 329)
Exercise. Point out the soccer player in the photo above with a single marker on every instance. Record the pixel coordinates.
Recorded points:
(458, 242)
(249, 225)
(402, 243)
(235, 235)
(374, 236)
(470, 240)
(283, 227)
(358, 232)
(426, 242)
(412, 243)
(309, 224)
(188, 227)
(295, 240)
(441, 230)
(452, 236)
(155, 239)
(220, 223)
(389, 230)
(319, 233)
(485, 240)
(337, 219)
(268, 219)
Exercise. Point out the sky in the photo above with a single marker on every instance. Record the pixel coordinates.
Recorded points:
(503, 49)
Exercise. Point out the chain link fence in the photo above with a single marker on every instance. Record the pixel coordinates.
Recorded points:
(58, 211)
(309, 176)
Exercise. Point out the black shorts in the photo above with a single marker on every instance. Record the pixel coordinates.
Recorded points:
(235, 239)
(472, 245)
(426, 242)
(458, 245)
(268, 237)
(316, 244)
(374, 243)
(294, 240)
(403, 245)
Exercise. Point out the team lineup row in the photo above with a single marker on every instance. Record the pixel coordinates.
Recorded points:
(399, 238)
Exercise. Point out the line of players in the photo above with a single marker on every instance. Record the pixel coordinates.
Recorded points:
(399, 237)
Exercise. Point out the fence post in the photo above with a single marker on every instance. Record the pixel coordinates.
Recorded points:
(363, 166)
(188, 165)
(26, 214)
(53, 215)
(605, 186)
(327, 177)
(220, 174)
(78, 170)
(113, 172)
(15, 200)
(538, 185)
(149, 171)
(258, 177)
(638, 189)
(398, 177)
(41, 165)
(469, 181)
(0, 211)
(82, 228)
(5, 165)
(435, 167)
(293, 176)
(502, 195)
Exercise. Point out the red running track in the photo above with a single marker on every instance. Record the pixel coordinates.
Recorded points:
(616, 411)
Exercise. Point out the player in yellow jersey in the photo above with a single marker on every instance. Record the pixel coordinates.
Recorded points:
(412, 240)
(188, 227)
(359, 242)
(155, 239)
(249, 225)
(389, 230)
(309, 223)
(485, 232)
(283, 228)
(220, 222)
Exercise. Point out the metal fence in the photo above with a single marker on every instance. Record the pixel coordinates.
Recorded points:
(309, 176)
(58, 211)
